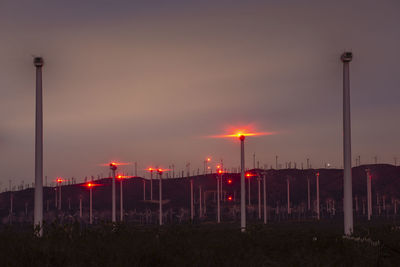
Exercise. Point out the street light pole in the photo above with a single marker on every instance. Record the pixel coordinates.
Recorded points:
(38, 210)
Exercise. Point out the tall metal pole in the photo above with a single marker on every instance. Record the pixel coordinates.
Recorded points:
(259, 196)
(288, 195)
(144, 189)
(249, 188)
(317, 176)
(265, 197)
(121, 201)
(90, 205)
(80, 206)
(160, 198)
(242, 187)
(369, 195)
(218, 201)
(308, 194)
(151, 185)
(191, 200)
(59, 197)
(113, 200)
(348, 198)
(38, 210)
(200, 207)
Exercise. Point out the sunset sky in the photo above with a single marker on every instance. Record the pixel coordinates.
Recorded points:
(149, 81)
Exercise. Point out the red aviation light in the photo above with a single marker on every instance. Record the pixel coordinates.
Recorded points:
(91, 185)
(208, 159)
(60, 180)
(230, 198)
(248, 175)
(229, 181)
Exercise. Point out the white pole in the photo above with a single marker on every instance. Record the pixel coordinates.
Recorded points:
(121, 202)
(114, 206)
(151, 185)
(242, 187)
(288, 196)
(308, 194)
(348, 199)
(55, 201)
(160, 198)
(191, 200)
(144, 189)
(218, 203)
(369, 195)
(248, 184)
(80, 207)
(259, 196)
(59, 198)
(38, 210)
(265, 197)
(11, 206)
(200, 208)
(317, 176)
(90, 206)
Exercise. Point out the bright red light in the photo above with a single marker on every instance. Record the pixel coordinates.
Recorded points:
(90, 185)
(208, 159)
(160, 170)
(123, 176)
(248, 175)
(220, 171)
(230, 198)
(60, 180)
(151, 169)
(229, 181)
(242, 133)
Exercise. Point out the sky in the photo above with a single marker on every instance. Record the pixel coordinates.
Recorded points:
(150, 81)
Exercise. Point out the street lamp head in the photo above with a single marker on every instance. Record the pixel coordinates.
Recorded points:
(38, 62)
(346, 56)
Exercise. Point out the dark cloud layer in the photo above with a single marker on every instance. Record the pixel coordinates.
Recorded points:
(141, 81)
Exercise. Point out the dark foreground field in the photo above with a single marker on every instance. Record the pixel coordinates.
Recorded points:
(290, 244)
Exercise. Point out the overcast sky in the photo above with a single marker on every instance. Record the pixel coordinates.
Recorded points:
(146, 81)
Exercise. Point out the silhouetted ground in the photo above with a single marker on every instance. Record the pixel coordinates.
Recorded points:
(286, 244)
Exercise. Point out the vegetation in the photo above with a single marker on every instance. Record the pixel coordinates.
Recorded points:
(285, 244)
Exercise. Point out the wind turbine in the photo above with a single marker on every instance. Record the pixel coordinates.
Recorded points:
(113, 167)
(121, 178)
(160, 172)
(59, 181)
(151, 170)
(241, 134)
(346, 57)
(90, 185)
(38, 210)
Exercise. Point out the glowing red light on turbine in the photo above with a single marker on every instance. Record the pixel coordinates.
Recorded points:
(230, 198)
(220, 171)
(248, 175)
(241, 134)
(91, 185)
(229, 181)
(208, 159)
(123, 176)
(60, 180)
